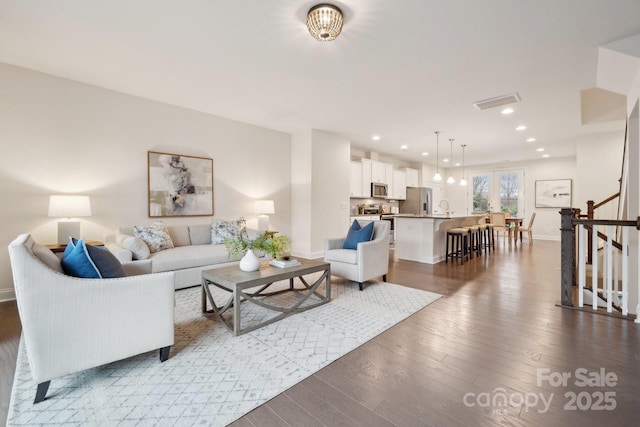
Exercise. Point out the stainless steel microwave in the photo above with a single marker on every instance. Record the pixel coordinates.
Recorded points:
(378, 190)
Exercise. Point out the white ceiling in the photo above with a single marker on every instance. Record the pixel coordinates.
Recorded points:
(401, 69)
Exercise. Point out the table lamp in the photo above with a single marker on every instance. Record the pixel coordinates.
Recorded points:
(70, 207)
(263, 208)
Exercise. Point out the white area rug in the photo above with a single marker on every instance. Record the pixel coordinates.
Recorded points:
(213, 378)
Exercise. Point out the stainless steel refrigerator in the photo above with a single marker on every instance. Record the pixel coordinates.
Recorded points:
(419, 202)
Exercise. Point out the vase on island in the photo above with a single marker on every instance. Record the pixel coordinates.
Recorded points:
(249, 261)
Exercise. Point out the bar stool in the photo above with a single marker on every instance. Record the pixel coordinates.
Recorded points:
(475, 240)
(458, 241)
(484, 235)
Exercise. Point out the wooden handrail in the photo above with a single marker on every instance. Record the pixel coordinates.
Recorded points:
(607, 200)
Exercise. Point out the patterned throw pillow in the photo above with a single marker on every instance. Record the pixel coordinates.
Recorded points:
(155, 236)
(221, 230)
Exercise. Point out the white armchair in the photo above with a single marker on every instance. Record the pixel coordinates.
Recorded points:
(71, 324)
(369, 260)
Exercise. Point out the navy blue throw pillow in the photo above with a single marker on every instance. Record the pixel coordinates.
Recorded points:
(90, 262)
(358, 234)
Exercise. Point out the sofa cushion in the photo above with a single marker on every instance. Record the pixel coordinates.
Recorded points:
(200, 234)
(135, 245)
(222, 230)
(45, 255)
(179, 235)
(90, 262)
(188, 257)
(348, 256)
(358, 234)
(155, 236)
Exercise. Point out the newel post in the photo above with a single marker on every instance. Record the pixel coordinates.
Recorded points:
(567, 259)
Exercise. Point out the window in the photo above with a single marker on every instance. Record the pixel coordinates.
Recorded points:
(497, 191)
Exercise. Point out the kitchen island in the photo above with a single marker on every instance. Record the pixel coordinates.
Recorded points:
(424, 238)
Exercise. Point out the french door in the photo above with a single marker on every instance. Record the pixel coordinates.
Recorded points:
(497, 191)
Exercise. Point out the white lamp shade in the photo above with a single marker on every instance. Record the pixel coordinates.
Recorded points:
(69, 206)
(265, 207)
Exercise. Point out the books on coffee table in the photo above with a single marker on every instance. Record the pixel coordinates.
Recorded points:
(284, 263)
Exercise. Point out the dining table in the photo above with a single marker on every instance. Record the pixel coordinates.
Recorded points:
(514, 223)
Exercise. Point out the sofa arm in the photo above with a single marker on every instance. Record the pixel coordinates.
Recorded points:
(335, 243)
(123, 255)
(138, 267)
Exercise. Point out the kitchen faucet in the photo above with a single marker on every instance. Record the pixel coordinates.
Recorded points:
(440, 204)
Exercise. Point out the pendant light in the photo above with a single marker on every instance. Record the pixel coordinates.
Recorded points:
(451, 180)
(463, 181)
(437, 176)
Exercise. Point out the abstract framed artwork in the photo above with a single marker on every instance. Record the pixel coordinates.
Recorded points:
(179, 185)
(553, 193)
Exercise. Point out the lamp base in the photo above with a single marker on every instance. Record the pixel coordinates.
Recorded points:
(68, 229)
(263, 223)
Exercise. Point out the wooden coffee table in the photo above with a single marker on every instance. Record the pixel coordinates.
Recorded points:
(238, 282)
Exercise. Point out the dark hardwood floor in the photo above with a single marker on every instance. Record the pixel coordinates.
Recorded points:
(496, 336)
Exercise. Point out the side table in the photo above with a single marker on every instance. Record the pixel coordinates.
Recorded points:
(56, 248)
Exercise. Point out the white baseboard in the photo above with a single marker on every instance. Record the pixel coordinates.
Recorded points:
(553, 238)
(7, 295)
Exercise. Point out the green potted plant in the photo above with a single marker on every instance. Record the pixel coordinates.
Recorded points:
(275, 246)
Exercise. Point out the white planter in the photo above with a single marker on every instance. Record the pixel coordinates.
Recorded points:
(249, 262)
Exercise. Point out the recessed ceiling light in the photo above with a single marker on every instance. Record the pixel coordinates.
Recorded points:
(545, 155)
(531, 139)
(376, 137)
(521, 127)
(425, 154)
(507, 110)
(457, 164)
(445, 160)
(539, 149)
(404, 147)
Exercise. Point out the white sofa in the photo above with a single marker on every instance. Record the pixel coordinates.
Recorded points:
(71, 324)
(192, 252)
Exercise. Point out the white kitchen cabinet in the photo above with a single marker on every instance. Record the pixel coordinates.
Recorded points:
(366, 178)
(388, 174)
(378, 172)
(381, 172)
(399, 186)
(355, 179)
(413, 177)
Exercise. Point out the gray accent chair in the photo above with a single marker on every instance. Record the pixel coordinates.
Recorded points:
(71, 324)
(369, 260)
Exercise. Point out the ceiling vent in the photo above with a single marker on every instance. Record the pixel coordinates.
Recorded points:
(497, 102)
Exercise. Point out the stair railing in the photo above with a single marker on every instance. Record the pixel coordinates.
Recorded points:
(615, 267)
(591, 214)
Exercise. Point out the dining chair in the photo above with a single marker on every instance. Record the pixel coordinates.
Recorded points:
(528, 228)
(500, 224)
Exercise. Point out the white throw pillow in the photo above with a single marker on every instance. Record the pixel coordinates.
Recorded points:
(138, 248)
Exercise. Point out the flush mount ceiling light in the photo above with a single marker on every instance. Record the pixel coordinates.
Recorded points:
(324, 22)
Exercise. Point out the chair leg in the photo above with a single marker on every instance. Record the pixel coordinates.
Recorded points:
(384, 277)
(41, 392)
(361, 286)
(164, 353)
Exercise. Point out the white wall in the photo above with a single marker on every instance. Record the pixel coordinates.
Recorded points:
(599, 160)
(321, 178)
(60, 136)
